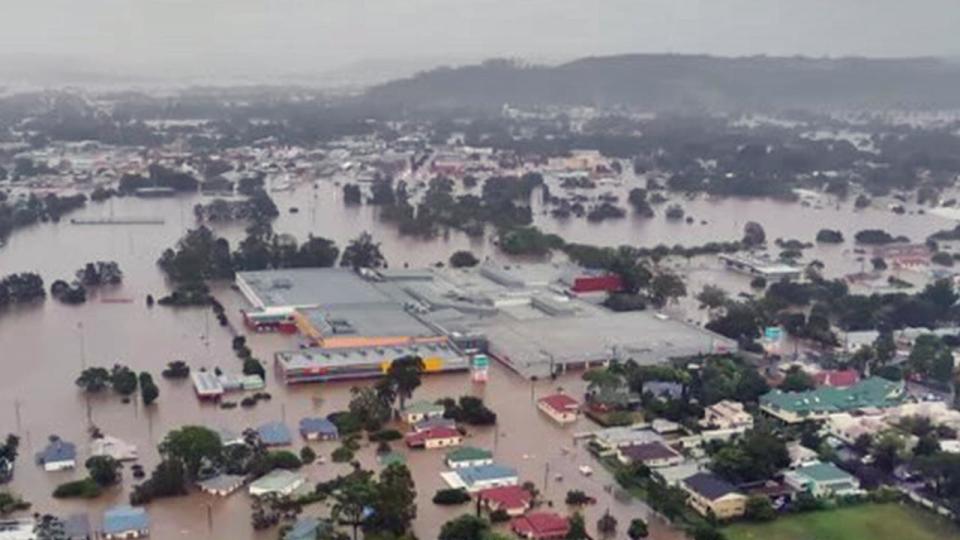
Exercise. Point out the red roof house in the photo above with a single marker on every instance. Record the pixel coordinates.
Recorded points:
(436, 437)
(541, 526)
(561, 407)
(836, 378)
(514, 500)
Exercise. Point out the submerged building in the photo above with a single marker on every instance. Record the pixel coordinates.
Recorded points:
(536, 319)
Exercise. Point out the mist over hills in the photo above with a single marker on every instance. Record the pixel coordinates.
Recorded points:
(685, 82)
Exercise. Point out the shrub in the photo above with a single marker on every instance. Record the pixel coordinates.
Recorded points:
(252, 366)
(84, 489)
(104, 470)
(385, 435)
(284, 459)
(307, 455)
(499, 516)
(177, 369)
(575, 497)
(346, 422)
(149, 391)
(759, 509)
(621, 302)
(829, 236)
(463, 259)
(450, 496)
(342, 455)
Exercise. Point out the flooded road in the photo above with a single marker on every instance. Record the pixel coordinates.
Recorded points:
(44, 347)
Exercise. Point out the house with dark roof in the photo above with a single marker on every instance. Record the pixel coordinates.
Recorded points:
(562, 408)
(275, 434)
(514, 500)
(541, 526)
(711, 494)
(652, 454)
(58, 455)
(125, 522)
(318, 429)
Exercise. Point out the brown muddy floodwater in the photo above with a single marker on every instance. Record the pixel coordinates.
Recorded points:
(44, 347)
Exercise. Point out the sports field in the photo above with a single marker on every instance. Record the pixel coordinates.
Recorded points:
(864, 522)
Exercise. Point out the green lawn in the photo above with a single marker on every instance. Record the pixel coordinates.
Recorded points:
(864, 522)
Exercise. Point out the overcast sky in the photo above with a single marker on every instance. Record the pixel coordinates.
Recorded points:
(253, 37)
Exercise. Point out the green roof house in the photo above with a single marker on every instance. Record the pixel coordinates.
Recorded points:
(794, 407)
(469, 456)
(823, 480)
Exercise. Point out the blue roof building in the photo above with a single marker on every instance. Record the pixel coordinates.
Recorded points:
(474, 479)
(125, 522)
(58, 455)
(275, 434)
(318, 429)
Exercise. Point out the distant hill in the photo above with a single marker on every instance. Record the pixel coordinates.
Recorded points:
(673, 82)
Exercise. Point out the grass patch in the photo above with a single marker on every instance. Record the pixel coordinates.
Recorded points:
(863, 522)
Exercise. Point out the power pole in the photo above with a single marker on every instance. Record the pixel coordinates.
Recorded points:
(16, 410)
(83, 348)
(546, 477)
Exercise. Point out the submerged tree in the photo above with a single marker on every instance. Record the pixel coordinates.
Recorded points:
(363, 252)
(404, 376)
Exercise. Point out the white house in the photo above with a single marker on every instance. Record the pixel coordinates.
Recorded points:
(280, 481)
(726, 414)
(113, 447)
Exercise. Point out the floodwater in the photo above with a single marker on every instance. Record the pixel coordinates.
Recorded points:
(44, 347)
